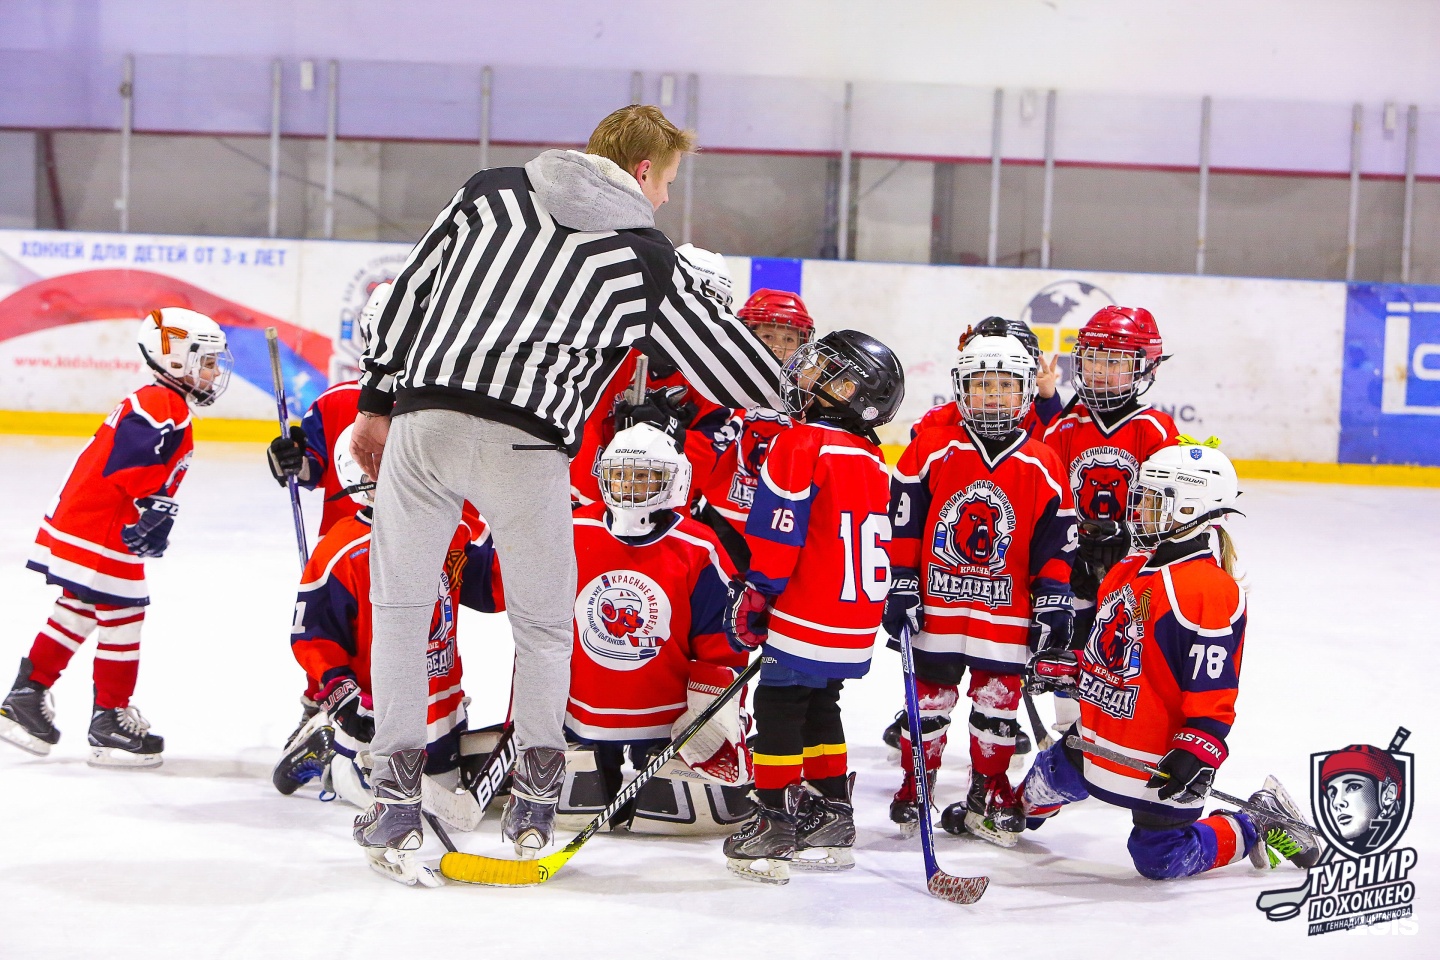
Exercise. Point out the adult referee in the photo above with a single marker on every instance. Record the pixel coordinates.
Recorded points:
(506, 322)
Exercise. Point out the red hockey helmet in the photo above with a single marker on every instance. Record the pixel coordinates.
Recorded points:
(1116, 354)
(779, 307)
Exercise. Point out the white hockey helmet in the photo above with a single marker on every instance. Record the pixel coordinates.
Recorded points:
(187, 350)
(642, 472)
(1181, 490)
(353, 481)
(994, 379)
(355, 335)
(711, 271)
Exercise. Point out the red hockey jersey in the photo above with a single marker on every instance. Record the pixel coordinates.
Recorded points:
(327, 418)
(983, 529)
(818, 533)
(741, 446)
(1164, 654)
(642, 614)
(1101, 463)
(600, 430)
(331, 632)
(142, 449)
(1041, 414)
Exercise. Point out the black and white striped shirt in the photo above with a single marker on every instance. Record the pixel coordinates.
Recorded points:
(502, 312)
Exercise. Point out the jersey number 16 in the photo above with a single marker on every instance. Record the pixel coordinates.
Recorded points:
(865, 552)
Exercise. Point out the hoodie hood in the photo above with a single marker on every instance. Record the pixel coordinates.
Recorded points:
(588, 193)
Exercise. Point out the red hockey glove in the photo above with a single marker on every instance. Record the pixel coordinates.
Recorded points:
(348, 707)
(1048, 670)
(747, 620)
(1190, 764)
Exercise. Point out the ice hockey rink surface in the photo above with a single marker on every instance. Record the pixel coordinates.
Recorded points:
(203, 858)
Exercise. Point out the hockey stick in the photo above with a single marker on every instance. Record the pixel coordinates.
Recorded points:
(637, 386)
(440, 832)
(937, 881)
(497, 767)
(272, 340)
(1043, 740)
(472, 868)
(1075, 742)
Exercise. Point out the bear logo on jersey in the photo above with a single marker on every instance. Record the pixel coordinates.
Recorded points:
(1116, 638)
(972, 535)
(1100, 478)
(622, 618)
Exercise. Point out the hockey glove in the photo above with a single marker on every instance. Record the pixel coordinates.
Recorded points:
(664, 409)
(718, 751)
(710, 273)
(902, 604)
(747, 619)
(1052, 623)
(1190, 765)
(1052, 670)
(1102, 544)
(287, 457)
(348, 707)
(150, 535)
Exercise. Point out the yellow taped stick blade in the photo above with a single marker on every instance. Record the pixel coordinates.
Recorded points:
(494, 872)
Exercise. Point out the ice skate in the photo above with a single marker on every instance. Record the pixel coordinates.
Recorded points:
(892, 735)
(310, 748)
(308, 709)
(120, 737)
(1276, 841)
(764, 847)
(529, 820)
(391, 831)
(1023, 744)
(825, 832)
(27, 717)
(991, 812)
(905, 807)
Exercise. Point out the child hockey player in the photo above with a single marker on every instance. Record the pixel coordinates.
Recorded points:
(818, 532)
(650, 649)
(331, 640)
(1158, 677)
(984, 527)
(1102, 439)
(115, 511)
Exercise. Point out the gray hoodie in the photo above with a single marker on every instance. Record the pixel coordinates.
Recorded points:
(589, 193)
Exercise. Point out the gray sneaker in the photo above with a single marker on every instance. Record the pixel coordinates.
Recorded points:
(529, 820)
(393, 820)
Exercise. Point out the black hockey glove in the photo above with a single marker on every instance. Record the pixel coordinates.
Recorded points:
(1052, 623)
(903, 608)
(1102, 544)
(666, 409)
(1048, 670)
(150, 535)
(1190, 765)
(287, 456)
(348, 708)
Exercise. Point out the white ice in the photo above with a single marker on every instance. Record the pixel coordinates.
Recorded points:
(202, 858)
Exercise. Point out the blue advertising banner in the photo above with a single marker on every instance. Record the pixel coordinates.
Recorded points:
(1390, 390)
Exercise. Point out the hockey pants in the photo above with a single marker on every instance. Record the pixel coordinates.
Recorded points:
(1161, 847)
(117, 651)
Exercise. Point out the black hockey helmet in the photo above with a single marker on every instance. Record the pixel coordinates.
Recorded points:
(1000, 327)
(847, 377)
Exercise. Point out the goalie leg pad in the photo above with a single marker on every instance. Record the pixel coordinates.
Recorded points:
(457, 809)
(679, 802)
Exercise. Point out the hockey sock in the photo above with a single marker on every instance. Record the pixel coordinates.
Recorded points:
(994, 706)
(779, 744)
(71, 622)
(117, 654)
(937, 702)
(824, 738)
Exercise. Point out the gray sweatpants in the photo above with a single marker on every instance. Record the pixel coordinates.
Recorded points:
(433, 461)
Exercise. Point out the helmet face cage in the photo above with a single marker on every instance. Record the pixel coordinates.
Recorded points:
(993, 402)
(1150, 513)
(1106, 378)
(818, 372)
(207, 373)
(636, 483)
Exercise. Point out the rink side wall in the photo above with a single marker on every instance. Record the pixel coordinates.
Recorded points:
(1300, 379)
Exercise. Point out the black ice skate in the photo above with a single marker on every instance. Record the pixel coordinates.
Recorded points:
(905, 808)
(1023, 745)
(391, 831)
(991, 811)
(308, 709)
(894, 732)
(120, 737)
(1278, 842)
(763, 848)
(27, 717)
(825, 831)
(529, 820)
(307, 752)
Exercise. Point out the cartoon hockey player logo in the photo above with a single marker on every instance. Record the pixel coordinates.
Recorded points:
(440, 650)
(1362, 797)
(975, 528)
(1101, 478)
(622, 618)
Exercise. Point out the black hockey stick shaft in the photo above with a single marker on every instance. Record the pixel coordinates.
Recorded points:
(1076, 742)
(439, 829)
(1043, 740)
(272, 339)
(497, 766)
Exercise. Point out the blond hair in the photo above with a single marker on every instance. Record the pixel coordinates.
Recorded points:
(639, 132)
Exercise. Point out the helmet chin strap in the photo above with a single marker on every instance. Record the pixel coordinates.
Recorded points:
(638, 524)
(1197, 526)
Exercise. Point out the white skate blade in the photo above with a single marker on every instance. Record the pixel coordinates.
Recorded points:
(761, 871)
(458, 810)
(908, 830)
(402, 866)
(978, 826)
(824, 859)
(12, 732)
(892, 756)
(115, 757)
